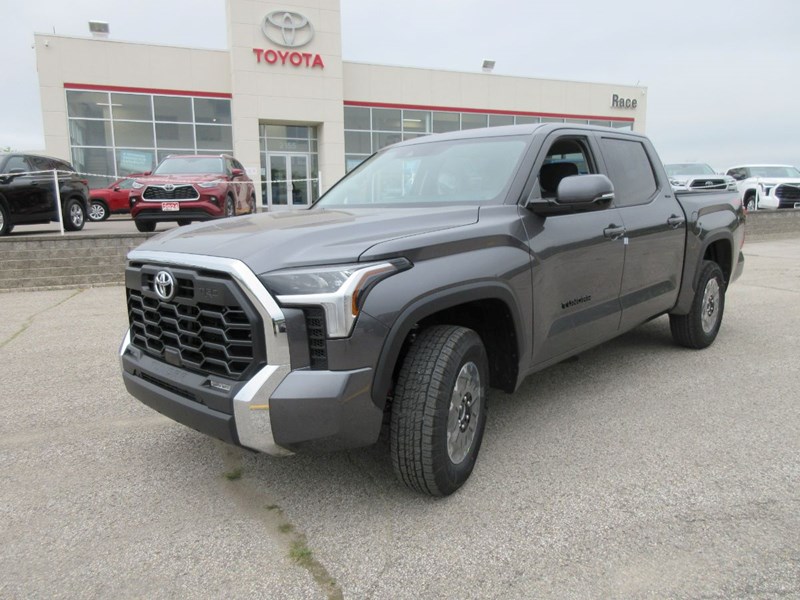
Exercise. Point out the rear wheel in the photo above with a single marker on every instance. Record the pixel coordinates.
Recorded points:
(98, 211)
(182, 222)
(699, 328)
(439, 410)
(750, 202)
(252, 203)
(5, 225)
(145, 226)
(74, 215)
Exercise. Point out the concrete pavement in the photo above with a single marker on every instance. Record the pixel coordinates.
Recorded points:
(637, 470)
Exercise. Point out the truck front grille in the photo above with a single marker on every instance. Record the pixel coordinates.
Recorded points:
(207, 326)
(178, 192)
(787, 195)
(708, 183)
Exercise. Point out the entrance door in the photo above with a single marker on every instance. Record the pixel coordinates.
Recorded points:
(289, 181)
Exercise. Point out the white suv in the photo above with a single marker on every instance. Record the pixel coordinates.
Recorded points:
(768, 186)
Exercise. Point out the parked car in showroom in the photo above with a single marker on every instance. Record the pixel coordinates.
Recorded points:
(768, 186)
(27, 192)
(186, 188)
(697, 176)
(111, 200)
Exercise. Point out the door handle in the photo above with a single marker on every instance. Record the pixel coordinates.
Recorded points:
(614, 232)
(675, 221)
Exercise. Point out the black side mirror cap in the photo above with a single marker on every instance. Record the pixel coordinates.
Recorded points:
(576, 193)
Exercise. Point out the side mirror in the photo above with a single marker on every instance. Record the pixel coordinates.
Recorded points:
(237, 172)
(577, 193)
(147, 173)
(16, 171)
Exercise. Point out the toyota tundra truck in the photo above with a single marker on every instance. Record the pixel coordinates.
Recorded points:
(438, 268)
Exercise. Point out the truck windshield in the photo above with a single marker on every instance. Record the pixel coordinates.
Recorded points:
(474, 170)
(689, 169)
(189, 164)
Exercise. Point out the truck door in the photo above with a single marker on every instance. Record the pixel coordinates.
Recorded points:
(577, 257)
(655, 228)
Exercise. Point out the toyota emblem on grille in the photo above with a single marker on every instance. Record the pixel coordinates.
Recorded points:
(287, 29)
(169, 187)
(165, 285)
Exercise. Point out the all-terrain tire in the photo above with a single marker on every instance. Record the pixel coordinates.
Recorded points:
(439, 410)
(698, 329)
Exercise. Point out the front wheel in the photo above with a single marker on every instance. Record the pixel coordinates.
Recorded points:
(145, 226)
(74, 215)
(698, 329)
(439, 410)
(229, 207)
(97, 211)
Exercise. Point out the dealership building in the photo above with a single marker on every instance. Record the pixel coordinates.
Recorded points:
(281, 100)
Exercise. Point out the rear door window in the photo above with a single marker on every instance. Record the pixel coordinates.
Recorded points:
(630, 171)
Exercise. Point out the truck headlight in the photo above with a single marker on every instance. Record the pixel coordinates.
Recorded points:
(340, 289)
(209, 184)
(136, 185)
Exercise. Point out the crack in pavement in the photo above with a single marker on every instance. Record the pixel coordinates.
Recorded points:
(29, 320)
(255, 502)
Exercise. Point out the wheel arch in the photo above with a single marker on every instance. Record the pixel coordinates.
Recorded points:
(719, 250)
(490, 310)
(716, 247)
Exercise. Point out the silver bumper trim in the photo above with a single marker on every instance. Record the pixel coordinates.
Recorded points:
(251, 404)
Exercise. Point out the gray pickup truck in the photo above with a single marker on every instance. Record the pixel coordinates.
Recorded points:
(438, 268)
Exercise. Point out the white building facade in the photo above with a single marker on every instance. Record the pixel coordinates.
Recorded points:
(281, 100)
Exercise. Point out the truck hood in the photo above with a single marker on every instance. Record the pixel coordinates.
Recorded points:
(774, 180)
(684, 179)
(276, 240)
(178, 178)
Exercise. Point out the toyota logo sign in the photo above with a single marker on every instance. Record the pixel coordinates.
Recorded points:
(287, 29)
(165, 285)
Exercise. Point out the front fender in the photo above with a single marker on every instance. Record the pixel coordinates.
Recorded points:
(431, 304)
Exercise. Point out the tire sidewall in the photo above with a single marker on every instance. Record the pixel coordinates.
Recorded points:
(67, 216)
(6, 228)
(230, 207)
(102, 206)
(710, 271)
(451, 476)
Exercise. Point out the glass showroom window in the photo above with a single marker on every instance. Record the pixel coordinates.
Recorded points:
(118, 134)
(367, 129)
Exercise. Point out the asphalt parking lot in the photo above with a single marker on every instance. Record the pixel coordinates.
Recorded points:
(637, 470)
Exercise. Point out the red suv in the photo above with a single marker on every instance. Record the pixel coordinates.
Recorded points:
(112, 199)
(186, 188)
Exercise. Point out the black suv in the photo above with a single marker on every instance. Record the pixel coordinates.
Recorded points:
(27, 192)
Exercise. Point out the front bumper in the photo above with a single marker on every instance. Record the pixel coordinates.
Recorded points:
(201, 209)
(278, 410)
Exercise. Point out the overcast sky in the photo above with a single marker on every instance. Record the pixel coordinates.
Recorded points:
(723, 77)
